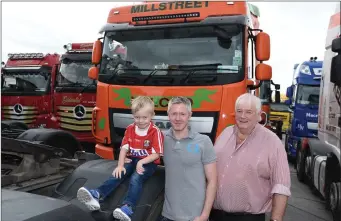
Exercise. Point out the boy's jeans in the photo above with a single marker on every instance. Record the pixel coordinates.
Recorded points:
(135, 184)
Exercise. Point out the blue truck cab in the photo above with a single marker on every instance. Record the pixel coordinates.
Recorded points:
(303, 101)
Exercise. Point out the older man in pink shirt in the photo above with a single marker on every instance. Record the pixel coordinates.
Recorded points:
(253, 171)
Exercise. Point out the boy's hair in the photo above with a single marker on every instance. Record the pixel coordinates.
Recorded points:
(141, 101)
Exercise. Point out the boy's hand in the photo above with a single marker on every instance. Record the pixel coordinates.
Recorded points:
(127, 160)
(139, 168)
(118, 171)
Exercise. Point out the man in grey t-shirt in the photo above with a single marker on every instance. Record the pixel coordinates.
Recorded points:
(190, 164)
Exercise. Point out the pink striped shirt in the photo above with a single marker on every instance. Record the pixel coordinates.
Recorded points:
(249, 174)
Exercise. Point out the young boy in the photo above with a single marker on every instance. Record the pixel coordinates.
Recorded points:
(143, 143)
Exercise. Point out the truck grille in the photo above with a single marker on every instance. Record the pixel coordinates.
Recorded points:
(77, 118)
(202, 122)
(278, 117)
(20, 113)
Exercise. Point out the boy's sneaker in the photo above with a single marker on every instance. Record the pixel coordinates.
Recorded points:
(89, 197)
(124, 213)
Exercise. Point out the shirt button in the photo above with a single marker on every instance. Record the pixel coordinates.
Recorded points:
(231, 157)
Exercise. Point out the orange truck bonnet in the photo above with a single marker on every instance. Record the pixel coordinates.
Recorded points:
(162, 61)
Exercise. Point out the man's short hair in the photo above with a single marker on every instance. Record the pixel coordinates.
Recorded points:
(180, 100)
(251, 99)
(140, 102)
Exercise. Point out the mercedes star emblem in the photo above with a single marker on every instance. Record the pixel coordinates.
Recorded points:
(79, 112)
(18, 108)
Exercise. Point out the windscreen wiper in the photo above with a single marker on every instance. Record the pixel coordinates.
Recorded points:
(72, 84)
(151, 74)
(87, 86)
(201, 67)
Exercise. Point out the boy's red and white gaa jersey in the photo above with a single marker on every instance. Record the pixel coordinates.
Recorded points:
(143, 146)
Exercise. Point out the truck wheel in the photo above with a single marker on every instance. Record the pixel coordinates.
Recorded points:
(300, 165)
(55, 138)
(334, 200)
(156, 209)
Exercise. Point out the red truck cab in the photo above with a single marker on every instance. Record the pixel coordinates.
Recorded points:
(26, 89)
(75, 92)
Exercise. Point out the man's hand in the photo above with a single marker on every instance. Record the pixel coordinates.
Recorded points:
(118, 171)
(127, 160)
(200, 218)
(139, 168)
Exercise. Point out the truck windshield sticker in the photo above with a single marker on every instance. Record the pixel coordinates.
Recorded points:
(168, 6)
(237, 61)
(199, 96)
(227, 69)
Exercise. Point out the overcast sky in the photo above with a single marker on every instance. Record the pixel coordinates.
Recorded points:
(297, 29)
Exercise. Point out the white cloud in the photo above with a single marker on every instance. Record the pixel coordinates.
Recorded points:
(297, 30)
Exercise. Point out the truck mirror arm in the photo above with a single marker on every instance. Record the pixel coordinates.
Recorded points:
(254, 87)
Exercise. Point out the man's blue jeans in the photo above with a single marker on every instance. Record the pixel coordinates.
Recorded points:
(135, 184)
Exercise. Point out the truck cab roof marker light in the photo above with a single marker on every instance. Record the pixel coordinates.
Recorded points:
(170, 16)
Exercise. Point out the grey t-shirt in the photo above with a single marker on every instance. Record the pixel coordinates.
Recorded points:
(184, 161)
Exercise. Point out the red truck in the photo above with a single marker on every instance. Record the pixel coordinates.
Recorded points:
(27, 89)
(75, 92)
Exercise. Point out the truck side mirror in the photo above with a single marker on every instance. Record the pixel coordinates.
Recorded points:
(97, 52)
(335, 69)
(262, 46)
(289, 92)
(263, 72)
(93, 73)
(336, 45)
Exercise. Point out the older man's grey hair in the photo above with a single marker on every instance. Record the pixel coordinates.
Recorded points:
(251, 100)
(180, 100)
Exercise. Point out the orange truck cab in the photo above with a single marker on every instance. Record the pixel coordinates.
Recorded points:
(26, 89)
(198, 49)
(75, 93)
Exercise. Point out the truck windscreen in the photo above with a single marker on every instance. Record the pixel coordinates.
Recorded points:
(308, 95)
(74, 74)
(177, 53)
(21, 82)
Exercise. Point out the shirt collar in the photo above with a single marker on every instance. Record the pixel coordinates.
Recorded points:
(191, 133)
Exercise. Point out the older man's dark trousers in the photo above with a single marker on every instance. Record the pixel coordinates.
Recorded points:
(219, 215)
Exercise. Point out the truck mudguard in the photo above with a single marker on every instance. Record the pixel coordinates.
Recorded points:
(317, 147)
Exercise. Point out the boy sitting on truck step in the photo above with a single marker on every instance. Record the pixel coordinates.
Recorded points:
(143, 143)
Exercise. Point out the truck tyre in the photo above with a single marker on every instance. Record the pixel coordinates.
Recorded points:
(52, 137)
(334, 200)
(156, 209)
(300, 165)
